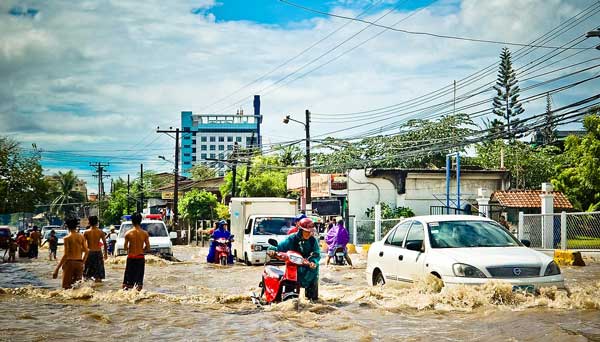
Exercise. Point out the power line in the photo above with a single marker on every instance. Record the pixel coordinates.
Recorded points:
(424, 33)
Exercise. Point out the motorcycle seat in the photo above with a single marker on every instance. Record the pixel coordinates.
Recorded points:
(274, 272)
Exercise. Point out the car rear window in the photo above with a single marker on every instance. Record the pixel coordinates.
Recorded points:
(4, 232)
(154, 229)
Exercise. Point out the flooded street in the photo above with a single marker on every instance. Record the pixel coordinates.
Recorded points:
(195, 301)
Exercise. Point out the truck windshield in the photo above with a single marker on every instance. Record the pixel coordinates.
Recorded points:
(272, 225)
(153, 229)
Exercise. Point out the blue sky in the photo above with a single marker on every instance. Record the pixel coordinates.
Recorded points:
(87, 85)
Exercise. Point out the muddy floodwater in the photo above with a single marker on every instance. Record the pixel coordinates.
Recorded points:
(191, 301)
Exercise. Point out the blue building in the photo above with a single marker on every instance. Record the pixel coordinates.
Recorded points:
(213, 136)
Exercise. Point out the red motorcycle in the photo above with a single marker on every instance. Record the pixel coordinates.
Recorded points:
(222, 251)
(279, 285)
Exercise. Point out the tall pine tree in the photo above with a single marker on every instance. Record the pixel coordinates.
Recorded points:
(506, 102)
(548, 131)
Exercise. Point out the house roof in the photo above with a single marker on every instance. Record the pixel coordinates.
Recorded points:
(529, 199)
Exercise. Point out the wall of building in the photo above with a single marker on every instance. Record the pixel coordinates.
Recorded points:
(429, 189)
(363, 193)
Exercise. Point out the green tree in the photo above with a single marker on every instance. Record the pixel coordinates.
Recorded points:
(409, 149)
(200, 172)
(548, 132)
(223, 211)
(198, 205)
(22, 184)
(266, 184)
(289, 155)
(65, 195)
(529, 166)
(579, 176)
(506, 102)
(116, 206)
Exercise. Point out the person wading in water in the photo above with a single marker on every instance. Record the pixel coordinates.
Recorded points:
(137, 242)
(94, 264)
(74, 254)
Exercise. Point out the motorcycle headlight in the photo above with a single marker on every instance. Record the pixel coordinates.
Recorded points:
(552, 269)
(467, 271)
(296, 259)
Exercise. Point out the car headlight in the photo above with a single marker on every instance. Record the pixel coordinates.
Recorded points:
(552, 269)
(257, 248)
(468, 271)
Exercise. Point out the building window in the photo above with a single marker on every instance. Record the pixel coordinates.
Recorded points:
(221, 156)
(203, 155)
(212, 147)
(212, 156)
(194, 133)
(248, 141)
(238, 139)
(186, 129)
(221, 139)
(202, 147)
(194, 150)
(229, 139)
(186, 154)
(194, 158)
(186, 146)
(221, 147)
(229, 147)
(211, 139)
(203, 139)
(186, 163)
(193, 141)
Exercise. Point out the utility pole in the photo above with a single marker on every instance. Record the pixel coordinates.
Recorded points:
(308, 173)
(454, 109)
(141, 188)
(100, 168)
(176, 174)
(234, 169)
(128, 185)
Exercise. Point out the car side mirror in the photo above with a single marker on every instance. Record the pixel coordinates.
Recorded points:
(414, 245)
(173, 235)
(527, 243)
(273, 242)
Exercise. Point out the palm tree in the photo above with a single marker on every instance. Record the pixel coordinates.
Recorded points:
(290, 155)
(65, 193)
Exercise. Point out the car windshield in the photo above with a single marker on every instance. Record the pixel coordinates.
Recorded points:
(154, 229)
(459, 234)
(272, 225)
(58, 233)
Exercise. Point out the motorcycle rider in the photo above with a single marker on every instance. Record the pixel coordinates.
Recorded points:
(220, 232)
(296, 220)
(336, 237)
(307, 245)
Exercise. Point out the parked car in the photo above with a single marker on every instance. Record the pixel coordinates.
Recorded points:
(5, 234)
(160, 239)
(60, 235)
(459, 249)
(49, 228)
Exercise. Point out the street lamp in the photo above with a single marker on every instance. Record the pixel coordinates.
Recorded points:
(163, 158)
(306, 125)
(594, 33)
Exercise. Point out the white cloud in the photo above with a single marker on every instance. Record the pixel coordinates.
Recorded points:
(135, 65)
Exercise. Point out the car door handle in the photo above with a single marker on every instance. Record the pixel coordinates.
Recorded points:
(400, 257)
(380, 254)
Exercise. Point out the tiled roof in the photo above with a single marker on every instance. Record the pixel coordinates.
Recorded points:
(529, 199)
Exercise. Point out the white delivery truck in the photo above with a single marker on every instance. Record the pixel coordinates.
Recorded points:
(255, 220)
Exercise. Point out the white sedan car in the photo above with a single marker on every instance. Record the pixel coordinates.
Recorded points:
(459, 249)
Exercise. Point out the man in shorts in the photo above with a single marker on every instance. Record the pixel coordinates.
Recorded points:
(137, 242)
(74, 254)
(94, 264)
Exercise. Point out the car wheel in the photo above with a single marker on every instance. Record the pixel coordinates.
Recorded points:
(378, 278)
(235, 255)
(246, 261)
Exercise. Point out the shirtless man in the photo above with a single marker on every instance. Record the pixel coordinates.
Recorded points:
(74, 254)
(136, 243)
(36, 240)
(94, 264)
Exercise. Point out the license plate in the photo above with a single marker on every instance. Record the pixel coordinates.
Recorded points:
(524, 288)
(339, 254)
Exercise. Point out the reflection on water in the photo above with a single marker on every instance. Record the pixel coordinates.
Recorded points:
(181, 300)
